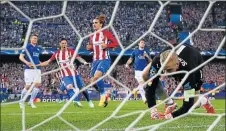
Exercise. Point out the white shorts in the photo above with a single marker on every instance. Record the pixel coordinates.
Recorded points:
(138, 76)
(30, 76)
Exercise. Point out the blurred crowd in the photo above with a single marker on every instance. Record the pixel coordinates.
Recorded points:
(212, 73)
(132, 20)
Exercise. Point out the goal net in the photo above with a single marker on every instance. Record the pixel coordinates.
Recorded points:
(82, 34)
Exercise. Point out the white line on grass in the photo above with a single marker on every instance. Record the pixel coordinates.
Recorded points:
(49, 113)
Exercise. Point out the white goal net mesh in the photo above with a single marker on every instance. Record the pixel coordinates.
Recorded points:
(111, 26)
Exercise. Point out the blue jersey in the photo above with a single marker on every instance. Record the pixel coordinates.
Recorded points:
(34, 52)
(140, 61)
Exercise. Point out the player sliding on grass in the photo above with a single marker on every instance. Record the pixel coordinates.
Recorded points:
(100, 45)
(142, 58)
(185, 58)
(63, 58)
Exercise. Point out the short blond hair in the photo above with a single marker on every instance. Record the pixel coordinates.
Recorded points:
(165, 54)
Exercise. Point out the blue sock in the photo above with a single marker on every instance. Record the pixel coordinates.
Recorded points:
(61, 97)
(67, 95)
(71, 92)
(86, 94)
(5, 96)
(76, 98)
(100, 85)
(2, 97)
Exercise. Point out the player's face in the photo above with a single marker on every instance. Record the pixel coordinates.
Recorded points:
(63, 44)
(34, 39)
(171, 66)
(141, 44)
(96, 24)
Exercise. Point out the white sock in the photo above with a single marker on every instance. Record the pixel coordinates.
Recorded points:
(169, 102)
(203, 101)
(142, 92)
(23, 93)
(34, 94)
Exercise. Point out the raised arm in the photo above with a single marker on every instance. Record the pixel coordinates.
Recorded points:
(148, 57)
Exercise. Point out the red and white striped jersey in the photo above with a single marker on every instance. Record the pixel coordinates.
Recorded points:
(63, 59)
(59, 77)
(102, 37)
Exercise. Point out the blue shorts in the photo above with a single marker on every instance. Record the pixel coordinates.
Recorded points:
(69, 80)
(100, 65)
(62, 87)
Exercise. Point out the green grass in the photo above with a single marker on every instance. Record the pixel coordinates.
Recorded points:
(85, 118)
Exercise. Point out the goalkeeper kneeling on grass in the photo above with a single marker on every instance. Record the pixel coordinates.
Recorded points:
(185, 58)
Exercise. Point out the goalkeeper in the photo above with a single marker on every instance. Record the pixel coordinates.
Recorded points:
(185, 58)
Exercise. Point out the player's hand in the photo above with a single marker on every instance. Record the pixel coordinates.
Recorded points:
(146, 55)
(89, 47)
(30, 64)
(103, 45)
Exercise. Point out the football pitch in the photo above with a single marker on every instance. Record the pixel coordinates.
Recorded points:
(85, 118)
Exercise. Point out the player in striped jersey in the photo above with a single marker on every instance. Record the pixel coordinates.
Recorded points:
(4, 88)
(100, 43)
(68, 72)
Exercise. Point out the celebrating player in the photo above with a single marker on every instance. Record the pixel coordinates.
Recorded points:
(30, 73)
(142, 58)
(101, 57)
(63, 57)
(185, 58)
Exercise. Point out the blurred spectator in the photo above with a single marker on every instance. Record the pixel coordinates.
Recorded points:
(132, 20)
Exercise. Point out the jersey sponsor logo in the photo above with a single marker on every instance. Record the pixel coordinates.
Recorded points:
(35, 54)
(183, 62)
(141, 56)
(64, 61)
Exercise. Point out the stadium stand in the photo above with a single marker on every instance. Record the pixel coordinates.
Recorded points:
(127, 25)
(127, 22)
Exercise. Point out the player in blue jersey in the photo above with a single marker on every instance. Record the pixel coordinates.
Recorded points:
(141, 58)
(30, 73)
